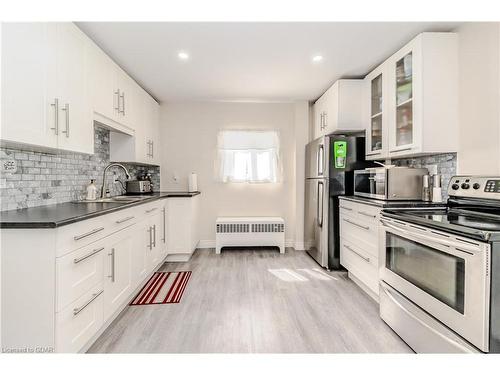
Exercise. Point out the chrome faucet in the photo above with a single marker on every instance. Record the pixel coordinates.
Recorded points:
(104, 175)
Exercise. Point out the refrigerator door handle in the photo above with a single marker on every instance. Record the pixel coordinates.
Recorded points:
(321, 157)
(320, 202)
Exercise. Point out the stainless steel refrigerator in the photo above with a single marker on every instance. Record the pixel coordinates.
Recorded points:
(330, 164)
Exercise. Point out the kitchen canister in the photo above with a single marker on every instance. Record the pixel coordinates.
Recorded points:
(193, 182)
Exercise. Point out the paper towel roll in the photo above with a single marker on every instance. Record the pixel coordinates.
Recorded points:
(193, 182)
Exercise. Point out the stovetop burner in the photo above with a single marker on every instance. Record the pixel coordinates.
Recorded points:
(471, 212)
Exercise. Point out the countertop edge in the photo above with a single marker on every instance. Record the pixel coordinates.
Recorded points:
(72, 220)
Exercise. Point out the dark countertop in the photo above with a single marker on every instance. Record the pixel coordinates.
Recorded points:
(57, 215)
(394, 204)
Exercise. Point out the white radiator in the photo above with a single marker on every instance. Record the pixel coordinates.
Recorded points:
(250, 231)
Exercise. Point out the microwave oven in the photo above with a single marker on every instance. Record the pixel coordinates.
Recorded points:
(394, 183)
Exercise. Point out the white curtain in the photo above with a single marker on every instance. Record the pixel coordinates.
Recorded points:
(248, 156)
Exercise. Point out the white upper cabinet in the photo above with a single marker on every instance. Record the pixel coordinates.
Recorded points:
(419, 96)
(376, 116)
(28, 84)
(76, 132)
(143, 147)
(339, 108)
(44, 86)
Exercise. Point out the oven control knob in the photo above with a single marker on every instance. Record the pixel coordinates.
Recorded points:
(455, 186)
(476, 186)
(465, 185)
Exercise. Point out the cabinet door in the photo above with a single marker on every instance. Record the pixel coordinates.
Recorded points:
(162, 241)
(318, 118)
(118, 271)
(125, 98)
(155, 131)
(102, 80)
(140, 253)
(155, 252)
(376, 134)
(28, 83)
(402, 128)
(331, 109)
(76, 131)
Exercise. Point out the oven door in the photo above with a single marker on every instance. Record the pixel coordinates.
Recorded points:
(445, 275)
(370, 183)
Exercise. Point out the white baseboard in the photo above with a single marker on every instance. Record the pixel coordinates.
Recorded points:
(206, 244)
(183, 257)
(210, 244)
(299, 246)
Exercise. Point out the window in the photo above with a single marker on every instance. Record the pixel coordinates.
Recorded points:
(248, 156)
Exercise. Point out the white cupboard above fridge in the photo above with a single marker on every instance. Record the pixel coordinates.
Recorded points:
(339, 108)
(411, 100)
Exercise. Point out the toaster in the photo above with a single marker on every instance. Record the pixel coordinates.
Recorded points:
(138, 187)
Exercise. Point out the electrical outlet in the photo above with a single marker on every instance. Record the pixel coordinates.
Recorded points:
(9, 166)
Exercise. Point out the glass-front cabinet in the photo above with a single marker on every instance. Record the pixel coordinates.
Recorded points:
(402, 132)
(411, 100)
(376, 142)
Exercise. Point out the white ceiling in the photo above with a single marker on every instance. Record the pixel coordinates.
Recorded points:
(249, 61)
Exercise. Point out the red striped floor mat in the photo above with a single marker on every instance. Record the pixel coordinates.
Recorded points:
(163, 287)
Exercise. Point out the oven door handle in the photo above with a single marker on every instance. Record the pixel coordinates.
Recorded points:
(463, 248)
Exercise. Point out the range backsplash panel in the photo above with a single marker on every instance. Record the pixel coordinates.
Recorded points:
(46, 178)
(446, 166)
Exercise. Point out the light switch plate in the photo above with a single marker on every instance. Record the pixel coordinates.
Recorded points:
(9, 166)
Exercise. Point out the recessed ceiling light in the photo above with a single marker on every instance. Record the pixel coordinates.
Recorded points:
(183, 55)
(317, 58)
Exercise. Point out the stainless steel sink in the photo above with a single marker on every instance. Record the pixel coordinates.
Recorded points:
(123, 199)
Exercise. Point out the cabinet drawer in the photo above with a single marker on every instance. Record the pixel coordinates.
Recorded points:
(366, 211)
(75, 236)
(360, 231)
(80, 321)
(79, 271)
(360, 263)
(124, 218)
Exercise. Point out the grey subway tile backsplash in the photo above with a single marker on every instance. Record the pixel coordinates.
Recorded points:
(45, 178)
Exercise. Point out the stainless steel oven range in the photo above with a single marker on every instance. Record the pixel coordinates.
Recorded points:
(440, 270)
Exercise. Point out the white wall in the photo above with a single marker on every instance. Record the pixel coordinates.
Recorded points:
(479, 85)
(189, 137)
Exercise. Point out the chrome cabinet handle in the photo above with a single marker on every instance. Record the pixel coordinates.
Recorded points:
(325, 117)
(164, 227)
(122, 96)
(124, 219)
(112, 254)
(154, 235)
(93, 231)
(346, 208)
(358, 254)
(367, 214)
(78, 310)
(358, 225)
(151, 210)
(117, 93)
(152, 149)
(150, 230)
(56, 116)
(66, 110)
(93, 252)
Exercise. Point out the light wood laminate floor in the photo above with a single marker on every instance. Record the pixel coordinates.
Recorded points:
(255, 301)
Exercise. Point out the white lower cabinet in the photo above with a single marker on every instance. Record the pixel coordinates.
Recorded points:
(80, 321)
(359, 243)
(118, 270)
(61, 287)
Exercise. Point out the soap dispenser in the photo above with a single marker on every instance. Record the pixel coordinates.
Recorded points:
(91, 191)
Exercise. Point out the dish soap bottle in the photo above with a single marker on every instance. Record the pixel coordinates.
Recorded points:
(91, 191)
